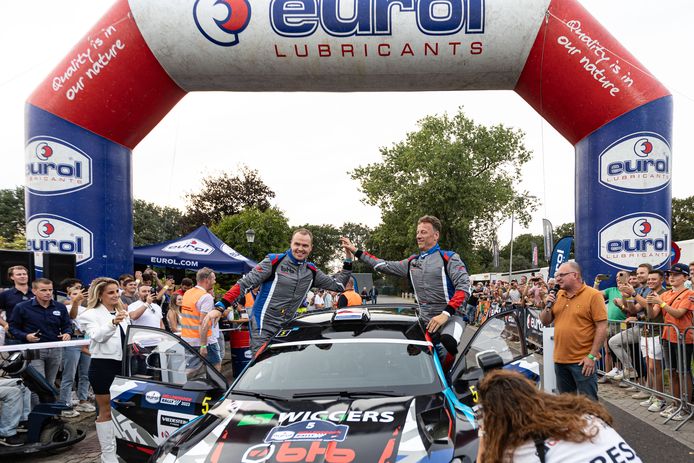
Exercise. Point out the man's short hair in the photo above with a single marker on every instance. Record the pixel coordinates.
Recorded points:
(41, 281)
(658, 272)
(576, 267)
(186, 282)
(68, 283)
(123, 279)
(303, 231)
(203, 274)
(649, 267)
(11, 270)
(433, 221)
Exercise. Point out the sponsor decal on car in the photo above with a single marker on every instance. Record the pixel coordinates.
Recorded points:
(176, 400)
(174, 421)
(338, 416)
(153, 397)
(257, 419)
(308, 431)
(299, 452)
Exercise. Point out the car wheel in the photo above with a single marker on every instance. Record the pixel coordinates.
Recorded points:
(56, 433)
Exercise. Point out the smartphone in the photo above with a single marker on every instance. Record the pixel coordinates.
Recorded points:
(622, 278)
(602, 277)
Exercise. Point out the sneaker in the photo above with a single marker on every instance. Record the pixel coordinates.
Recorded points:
(85, 407)
(658, 405)
(603, 379)
(12, 441)
(632, 389)
(610, 374)
(69, 414)
(624, 385)
(22, 427)
(640, 395)
(681, 415)
(669, 411)
(647, 403)
(618, 376)
(630, 373)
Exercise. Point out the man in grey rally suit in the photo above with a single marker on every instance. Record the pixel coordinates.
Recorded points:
(439, 278)
(284, 281)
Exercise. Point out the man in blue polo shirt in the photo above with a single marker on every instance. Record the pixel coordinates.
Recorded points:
(13, 296)
(42, 319)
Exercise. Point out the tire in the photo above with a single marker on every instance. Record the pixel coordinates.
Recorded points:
(57, 432)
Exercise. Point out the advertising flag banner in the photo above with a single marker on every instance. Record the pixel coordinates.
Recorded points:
(535, 259)
(549, 238)
(560, 254)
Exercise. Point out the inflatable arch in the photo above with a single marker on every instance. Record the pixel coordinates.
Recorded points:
(141, 58)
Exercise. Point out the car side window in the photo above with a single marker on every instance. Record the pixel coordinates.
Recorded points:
(500, 334)
(155, 355)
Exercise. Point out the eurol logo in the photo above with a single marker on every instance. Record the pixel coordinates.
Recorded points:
(52, 233)
(346, 18)
(190, 246)
(637, 163)
(221, 21)
(55, 167)
(634, 239)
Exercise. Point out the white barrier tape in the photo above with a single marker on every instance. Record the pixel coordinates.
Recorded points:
(43, 345)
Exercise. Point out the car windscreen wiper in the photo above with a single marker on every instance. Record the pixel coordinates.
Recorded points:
(349, 394)
(257, 395)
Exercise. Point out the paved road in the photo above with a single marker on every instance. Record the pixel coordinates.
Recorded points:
(649, 443)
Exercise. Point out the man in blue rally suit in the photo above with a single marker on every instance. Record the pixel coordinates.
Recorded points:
(439, 278)
(284, 281)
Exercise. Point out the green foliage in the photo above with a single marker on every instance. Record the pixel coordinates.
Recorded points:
(18, 242)
(565, 229)
(153, 224)
(12, 213)
(463, 173)
(522, 252)
(682, 218)
(272, 232)
(227, 195)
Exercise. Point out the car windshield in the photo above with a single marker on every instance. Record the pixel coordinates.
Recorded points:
(402, 367)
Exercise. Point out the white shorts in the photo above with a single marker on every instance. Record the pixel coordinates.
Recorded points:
(653, 349)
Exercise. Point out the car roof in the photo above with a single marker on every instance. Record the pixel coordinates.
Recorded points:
(385, 321)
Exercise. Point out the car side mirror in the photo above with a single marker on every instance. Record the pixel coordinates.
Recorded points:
(489, 360)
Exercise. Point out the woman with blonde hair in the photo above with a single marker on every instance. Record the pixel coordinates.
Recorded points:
(174, 314)
(525, 425)
(104, 323)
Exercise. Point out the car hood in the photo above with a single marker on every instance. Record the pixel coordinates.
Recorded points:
(383, 430)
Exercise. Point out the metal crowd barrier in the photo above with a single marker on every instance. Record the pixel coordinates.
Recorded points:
(649, 364)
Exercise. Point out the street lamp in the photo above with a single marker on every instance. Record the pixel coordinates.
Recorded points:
(250, 238)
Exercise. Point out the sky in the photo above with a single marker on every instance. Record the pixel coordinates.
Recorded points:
(306, 143)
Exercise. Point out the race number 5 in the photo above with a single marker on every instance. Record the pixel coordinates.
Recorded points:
(475, 394)
(206, 404)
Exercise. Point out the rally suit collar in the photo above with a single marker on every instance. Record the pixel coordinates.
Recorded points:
(434, 249)
(294, 260)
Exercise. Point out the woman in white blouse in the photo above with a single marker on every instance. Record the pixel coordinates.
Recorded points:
(104, 322)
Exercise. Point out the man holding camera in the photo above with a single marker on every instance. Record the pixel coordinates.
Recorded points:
(144, 311)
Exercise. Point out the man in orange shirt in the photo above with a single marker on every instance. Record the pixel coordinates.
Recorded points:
(677, 310)
(580, 328)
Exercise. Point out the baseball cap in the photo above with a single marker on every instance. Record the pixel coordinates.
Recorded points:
(679, 268)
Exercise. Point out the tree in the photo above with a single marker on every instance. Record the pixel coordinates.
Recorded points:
(682, 218)
(522, 252)
(12, 212)
(18, 242)
(226, 195)
(153, 224)
(271, 231)
(463, 173)
(565, 229)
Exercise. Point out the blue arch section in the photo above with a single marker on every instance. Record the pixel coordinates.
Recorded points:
(91, 206)
(623, 191)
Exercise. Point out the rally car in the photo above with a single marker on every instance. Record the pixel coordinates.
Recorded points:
(354, 385)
